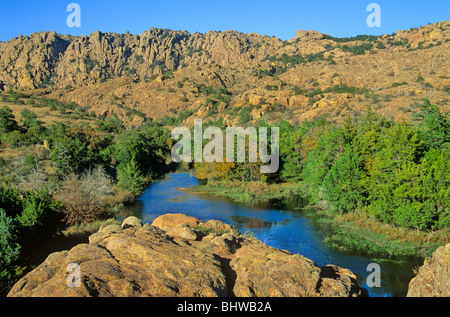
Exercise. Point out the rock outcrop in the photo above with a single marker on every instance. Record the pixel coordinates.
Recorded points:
(433, 278)
(163, 72)
(181, 256)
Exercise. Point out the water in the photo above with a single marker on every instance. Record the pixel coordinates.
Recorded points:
(282, 226)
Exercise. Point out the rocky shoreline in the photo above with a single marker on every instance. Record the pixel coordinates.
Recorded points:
(182, 256)
(178, 255)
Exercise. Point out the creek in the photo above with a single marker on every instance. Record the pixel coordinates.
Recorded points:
(280, 224)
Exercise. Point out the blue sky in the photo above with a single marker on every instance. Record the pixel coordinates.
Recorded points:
(280, 18)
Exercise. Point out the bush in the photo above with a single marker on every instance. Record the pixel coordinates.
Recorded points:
(37, 206)
(84, 196)
(358, 49)
(244, 115)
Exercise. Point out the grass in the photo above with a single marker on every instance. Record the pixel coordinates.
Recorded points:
(351, 232)
(249, 193)
(365, 235)
(44, 113)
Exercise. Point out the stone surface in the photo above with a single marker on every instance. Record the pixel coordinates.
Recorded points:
(433, 278)
(144, 260)
(163, 72)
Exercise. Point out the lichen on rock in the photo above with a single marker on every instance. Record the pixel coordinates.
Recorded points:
(175, 256)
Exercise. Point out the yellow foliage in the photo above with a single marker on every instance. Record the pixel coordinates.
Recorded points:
(214, 170)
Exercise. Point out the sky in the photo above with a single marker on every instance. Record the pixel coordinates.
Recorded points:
(280, 18)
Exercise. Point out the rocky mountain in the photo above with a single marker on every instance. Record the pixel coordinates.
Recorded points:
(216, 75)
(180, 255)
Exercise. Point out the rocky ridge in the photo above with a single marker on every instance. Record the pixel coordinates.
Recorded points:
(163, 72)
(180, 255)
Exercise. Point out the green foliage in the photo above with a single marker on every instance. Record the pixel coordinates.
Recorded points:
(110, 125)
(291, 152)
(36, 207)
(420, 78)
(399, 84)
(9, 252)
(358, 49)
(244, 114)
(8, 122)
(10, 200)
(396, 172)
(130, 178)
(271, 87)
(30, 119)
(370, 38)
(433, 124)
(9, 246)
(343, 187)
(290, 61)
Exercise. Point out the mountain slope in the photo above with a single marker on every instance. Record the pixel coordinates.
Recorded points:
(218, 74)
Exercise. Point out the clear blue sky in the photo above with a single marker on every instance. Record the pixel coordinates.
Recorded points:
(280, 18)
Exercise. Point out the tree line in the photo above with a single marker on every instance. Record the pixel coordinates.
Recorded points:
(68, 173)
(396, 172)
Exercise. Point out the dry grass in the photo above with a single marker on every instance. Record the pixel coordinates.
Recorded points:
(397, 233)
(43, 113)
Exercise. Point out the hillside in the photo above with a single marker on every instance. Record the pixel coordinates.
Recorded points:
(233, 77)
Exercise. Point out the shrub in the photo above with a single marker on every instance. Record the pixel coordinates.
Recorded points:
(36, 207)
(358, 49)
(244, 115)
(420, 78)
(84, 196)
(30, 119)
(271, 87)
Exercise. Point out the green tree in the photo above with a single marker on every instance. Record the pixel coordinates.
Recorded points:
(319, 161)
(433, 124)
(9, 252)
(130, 178)
(30, 119)
(8, 122)
(343, 185)
(394, 172)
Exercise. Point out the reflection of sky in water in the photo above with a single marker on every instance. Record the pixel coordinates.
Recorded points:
(282, 229)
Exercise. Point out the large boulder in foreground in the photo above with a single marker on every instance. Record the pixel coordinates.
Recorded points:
(196, 258)
(433, 278)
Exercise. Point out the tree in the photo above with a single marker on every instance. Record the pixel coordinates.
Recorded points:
(326, 152)
(395, 175)
(30, 119)
(9, 252)
(343, 187)
(130, 178)
(8, 121)
(433, 124)
(214, 170)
